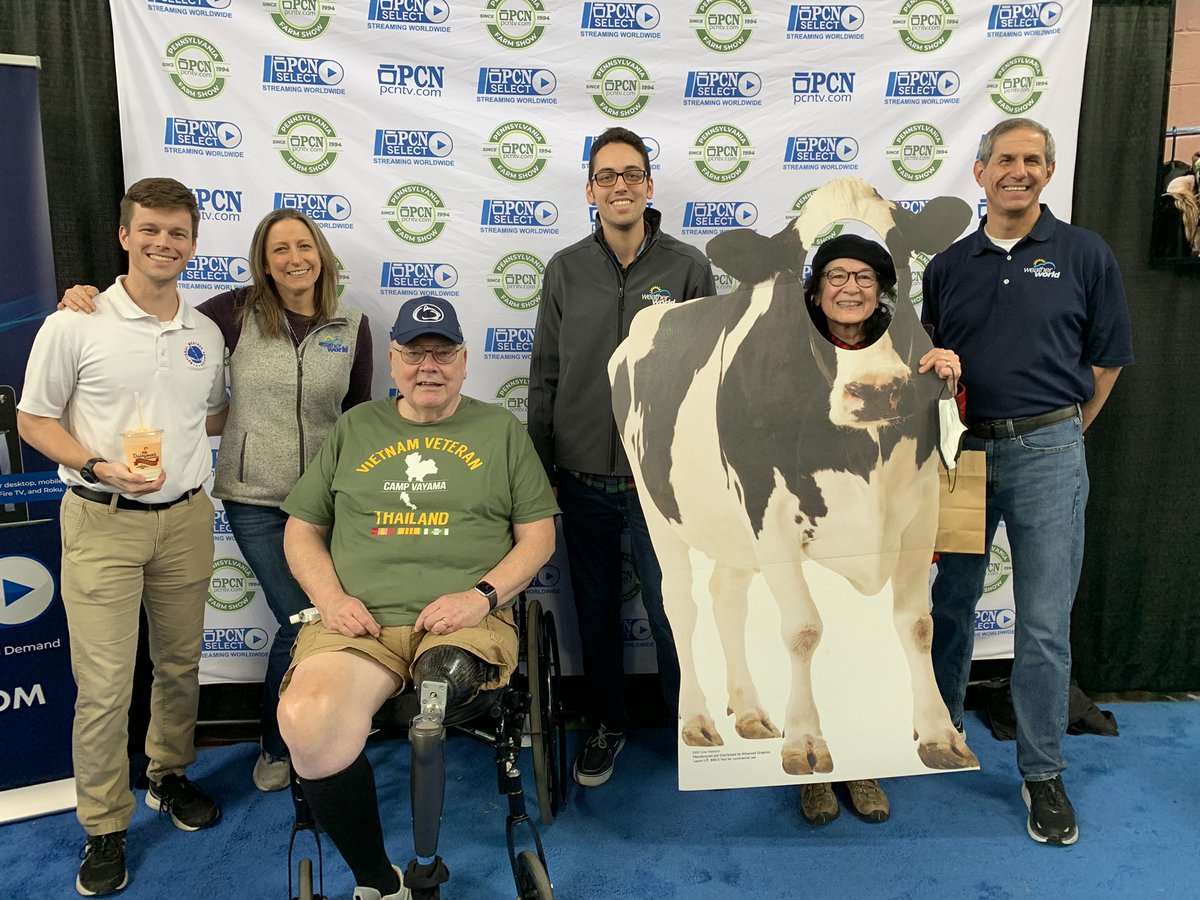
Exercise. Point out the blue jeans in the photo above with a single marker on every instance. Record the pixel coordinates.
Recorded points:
(591, 521)
(259, 534)
(1038, 483)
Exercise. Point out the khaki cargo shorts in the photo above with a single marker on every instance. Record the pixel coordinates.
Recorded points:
(494, 640)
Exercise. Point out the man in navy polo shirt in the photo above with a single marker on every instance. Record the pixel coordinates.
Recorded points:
(1036, 310)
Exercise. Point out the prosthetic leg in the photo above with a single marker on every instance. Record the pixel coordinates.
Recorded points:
(446, 678)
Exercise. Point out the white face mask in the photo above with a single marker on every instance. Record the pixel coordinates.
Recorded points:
(950, 430)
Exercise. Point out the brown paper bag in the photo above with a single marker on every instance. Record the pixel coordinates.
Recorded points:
(961, 504)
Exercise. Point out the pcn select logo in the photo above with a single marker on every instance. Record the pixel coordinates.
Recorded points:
(215, 273)
(202, 137)
(807, 21)
(1025, 19)
(602, 19)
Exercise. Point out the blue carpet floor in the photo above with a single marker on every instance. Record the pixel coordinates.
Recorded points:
(950, 836)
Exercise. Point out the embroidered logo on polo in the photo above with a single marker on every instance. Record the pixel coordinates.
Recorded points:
(195, 355)
(1043, 268)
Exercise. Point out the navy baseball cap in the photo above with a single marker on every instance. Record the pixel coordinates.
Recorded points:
(426, 315)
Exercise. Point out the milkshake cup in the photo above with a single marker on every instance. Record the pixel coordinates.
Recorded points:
(143, 451)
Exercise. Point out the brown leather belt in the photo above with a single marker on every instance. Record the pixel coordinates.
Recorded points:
(125, 503)
(1002, 428)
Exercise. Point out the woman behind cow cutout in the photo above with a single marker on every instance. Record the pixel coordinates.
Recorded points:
(850, 295)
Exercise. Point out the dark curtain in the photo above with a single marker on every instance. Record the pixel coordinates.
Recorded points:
(1137, 624)
(80, 129)
(1137, 619)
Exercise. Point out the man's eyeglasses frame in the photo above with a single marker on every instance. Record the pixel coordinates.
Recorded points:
(607, 177)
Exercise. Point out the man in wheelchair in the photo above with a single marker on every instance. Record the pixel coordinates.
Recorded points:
(420, 518)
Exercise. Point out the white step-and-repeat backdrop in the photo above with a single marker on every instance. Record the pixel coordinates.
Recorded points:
(443, 147)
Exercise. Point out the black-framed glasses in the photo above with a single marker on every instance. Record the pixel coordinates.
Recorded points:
(607, 177)
(443, 355)
(837, 277)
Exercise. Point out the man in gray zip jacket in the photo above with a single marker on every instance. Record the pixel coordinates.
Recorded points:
(590, 294)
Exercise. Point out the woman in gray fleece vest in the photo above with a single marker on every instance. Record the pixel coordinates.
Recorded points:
(297, 360)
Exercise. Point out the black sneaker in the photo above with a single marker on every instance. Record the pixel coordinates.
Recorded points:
(103, 868)
(1051, 816)
(595, 763)
(191, 809)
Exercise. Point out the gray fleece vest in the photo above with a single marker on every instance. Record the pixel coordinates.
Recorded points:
(283, 401)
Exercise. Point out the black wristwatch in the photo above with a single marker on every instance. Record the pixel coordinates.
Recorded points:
(488, 591)
(88, 470)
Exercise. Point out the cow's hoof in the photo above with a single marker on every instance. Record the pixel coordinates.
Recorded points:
(947, 755)
(812, 755)
(701, 731)
(756, 725)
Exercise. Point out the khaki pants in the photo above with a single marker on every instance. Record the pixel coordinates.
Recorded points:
(113, 560)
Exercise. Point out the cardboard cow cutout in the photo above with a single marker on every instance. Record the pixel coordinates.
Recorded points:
(791, 487)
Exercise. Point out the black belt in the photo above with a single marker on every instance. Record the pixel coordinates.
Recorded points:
(1002, 428)
(125, 503)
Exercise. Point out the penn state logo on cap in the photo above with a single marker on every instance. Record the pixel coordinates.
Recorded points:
(426, 315)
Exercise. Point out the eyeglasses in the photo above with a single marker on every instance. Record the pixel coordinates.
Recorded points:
(837, 277)
(607, 177)
(443, 355)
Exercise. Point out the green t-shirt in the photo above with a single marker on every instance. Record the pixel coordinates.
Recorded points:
(420, 510)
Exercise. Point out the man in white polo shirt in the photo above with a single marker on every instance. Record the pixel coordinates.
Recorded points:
(126, 540)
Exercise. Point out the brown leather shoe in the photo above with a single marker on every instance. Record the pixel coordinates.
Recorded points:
(869, 800)
(817, 802)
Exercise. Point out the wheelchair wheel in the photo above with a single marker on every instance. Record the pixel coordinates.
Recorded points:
(546, 722)
(532, 880)
(305, 880)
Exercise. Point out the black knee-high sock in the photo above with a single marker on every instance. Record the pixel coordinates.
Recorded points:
(347, 807)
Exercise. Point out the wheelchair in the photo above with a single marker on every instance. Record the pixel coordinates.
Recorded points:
(530, 703)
